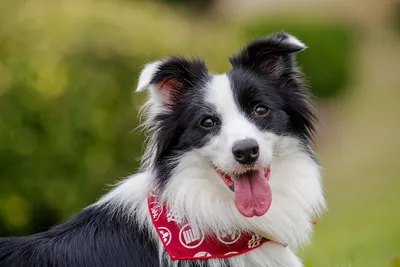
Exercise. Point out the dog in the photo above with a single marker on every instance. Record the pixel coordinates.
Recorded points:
(228, 178)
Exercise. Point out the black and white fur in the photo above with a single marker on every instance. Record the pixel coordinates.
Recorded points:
(178, 162)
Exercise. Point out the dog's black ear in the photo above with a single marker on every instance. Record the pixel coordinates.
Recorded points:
(167, 79)
(271, 55)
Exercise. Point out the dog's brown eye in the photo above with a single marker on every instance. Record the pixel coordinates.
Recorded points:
(207, 122)
(260, 110)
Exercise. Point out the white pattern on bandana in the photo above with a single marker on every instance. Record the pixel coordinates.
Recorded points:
(254, 241)
(228, 236)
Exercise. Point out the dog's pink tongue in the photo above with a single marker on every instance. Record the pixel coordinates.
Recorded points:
(252, 194)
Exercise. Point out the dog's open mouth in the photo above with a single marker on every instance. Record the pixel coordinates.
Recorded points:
(252, 191)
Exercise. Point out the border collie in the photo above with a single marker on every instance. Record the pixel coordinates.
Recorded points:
(227, 153)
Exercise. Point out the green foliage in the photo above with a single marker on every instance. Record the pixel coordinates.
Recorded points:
(326, 63)
(66, 118)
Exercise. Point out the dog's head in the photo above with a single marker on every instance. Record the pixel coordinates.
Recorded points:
(225, 127)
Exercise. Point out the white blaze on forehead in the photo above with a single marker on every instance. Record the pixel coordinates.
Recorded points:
(220, 95)
(234, 124)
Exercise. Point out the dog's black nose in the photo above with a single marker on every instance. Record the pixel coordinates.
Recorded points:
(246, 151)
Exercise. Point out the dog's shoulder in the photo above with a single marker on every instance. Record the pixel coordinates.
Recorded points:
(97, 236)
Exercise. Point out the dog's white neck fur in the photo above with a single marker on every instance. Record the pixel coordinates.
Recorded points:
(297, 197)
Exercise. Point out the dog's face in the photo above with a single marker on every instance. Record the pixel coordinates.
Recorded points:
(231, 121)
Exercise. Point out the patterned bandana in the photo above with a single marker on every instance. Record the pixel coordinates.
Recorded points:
(182, 242)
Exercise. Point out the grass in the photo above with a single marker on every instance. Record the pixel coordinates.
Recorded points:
(360, 155)
(362, 227)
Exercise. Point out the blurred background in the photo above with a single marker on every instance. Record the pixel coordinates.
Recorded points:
(68, 111)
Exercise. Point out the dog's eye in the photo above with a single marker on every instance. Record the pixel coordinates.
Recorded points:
(260, 110)
(207, 122)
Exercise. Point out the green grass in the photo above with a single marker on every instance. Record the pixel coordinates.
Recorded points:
(362, 183)
(362, 225)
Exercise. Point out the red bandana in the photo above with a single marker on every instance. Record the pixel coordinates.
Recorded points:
(182, 242)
